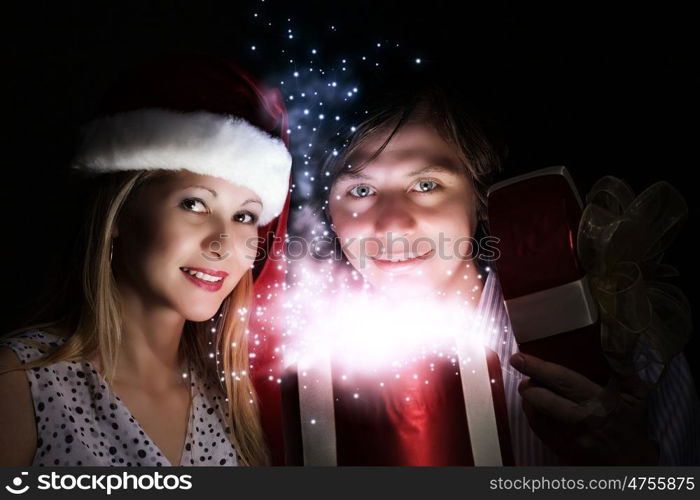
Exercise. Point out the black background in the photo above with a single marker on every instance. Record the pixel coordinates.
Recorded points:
(603, 88)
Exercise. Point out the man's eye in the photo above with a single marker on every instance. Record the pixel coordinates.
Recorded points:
(190, 203)
(425, 186)
(246, 218)
(361, 191)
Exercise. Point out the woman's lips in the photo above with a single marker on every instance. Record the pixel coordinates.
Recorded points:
(401, 265)
(211, 286)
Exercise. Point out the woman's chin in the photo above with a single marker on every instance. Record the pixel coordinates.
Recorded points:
(199, 314)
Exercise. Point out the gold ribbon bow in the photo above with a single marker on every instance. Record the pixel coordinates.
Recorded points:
(621, 241)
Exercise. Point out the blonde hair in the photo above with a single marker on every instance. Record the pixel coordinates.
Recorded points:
(93, 324)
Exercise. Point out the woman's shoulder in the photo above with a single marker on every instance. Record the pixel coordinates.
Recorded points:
(17, 420)
(31, 344)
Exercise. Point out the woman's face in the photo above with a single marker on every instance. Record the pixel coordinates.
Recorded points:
(186, 223)
(413, 203)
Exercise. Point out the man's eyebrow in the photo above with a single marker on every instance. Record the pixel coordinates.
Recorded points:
(448, 169)
(354, 176)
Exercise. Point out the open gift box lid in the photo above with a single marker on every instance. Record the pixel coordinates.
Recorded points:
(553, 315)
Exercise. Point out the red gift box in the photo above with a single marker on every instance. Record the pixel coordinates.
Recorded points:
(552, 312)
(333, 419)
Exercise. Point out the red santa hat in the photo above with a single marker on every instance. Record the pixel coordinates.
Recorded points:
(198, 113)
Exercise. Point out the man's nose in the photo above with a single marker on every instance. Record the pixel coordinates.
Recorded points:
(394, 215)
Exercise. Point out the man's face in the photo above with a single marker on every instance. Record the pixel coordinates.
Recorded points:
(405, 220)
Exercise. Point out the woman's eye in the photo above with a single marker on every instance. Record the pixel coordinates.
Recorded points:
(361, 191)
(425, 185)
(190, 203)
(246, 218)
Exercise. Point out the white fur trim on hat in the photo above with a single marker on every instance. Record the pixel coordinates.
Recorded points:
(205, 143)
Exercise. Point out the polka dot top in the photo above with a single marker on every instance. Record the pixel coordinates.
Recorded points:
(80, 421)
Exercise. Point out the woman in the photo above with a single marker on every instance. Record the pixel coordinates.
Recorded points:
(414, 174)
(149, 365)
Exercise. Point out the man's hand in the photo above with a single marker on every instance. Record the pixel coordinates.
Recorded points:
(584, 423)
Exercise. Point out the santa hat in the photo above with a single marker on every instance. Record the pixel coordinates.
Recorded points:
(197, 113)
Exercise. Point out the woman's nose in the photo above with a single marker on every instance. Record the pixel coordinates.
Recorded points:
(215, 247)
(394, 215)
